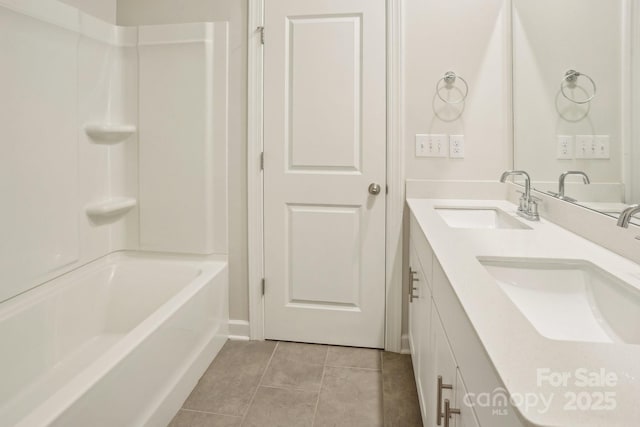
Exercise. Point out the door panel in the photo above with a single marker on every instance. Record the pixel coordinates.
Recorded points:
(309, 225)
(325, 142)
(322, 95)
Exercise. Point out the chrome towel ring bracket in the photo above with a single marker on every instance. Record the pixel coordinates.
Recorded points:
(571, 80)
(449, 80)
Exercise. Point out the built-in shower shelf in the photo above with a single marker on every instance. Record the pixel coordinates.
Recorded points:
(109, 132)
(111, 207)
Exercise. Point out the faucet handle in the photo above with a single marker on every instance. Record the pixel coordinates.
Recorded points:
(531, 196)
(522, 202)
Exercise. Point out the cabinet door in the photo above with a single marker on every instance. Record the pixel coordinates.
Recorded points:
(466, 418)
(416, 279)
(419, 327)
(425, 350)
(442, 364)
(417, 336)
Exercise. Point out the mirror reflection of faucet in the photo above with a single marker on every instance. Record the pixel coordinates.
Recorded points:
(627, 215)
(561, 186)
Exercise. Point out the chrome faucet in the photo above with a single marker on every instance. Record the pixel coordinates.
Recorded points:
(561, 195)
(625, 216)
(528, 207)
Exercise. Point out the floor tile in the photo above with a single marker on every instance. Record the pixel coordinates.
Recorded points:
(352, 357)
(275, 407)
(400, 397)
(350, 397)
(311, 353)
(296, 366)
(201, 419)
(230, 381)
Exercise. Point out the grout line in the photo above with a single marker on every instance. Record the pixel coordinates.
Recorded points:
(324, 369)
(212, 413)
(356, 367)
(284, 387)
(253, 396)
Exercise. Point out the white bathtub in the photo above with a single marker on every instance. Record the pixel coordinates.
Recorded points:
(118, 342)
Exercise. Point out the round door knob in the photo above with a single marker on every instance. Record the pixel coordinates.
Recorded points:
(374, 189)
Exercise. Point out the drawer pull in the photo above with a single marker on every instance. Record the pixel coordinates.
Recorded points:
(439, 413)
(448, 411)
(411, 287)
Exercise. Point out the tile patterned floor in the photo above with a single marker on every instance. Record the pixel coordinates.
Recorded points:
(282, 384)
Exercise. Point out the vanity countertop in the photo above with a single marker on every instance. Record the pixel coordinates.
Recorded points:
(522, 357)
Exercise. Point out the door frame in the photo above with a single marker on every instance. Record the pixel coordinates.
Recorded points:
(395, 199)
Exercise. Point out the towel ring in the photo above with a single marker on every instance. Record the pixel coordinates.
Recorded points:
(570, 78)
(449, 79)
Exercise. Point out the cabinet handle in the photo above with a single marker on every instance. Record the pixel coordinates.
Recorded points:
(439, 414)
(448, 411)
(411, 295)
(411, 287)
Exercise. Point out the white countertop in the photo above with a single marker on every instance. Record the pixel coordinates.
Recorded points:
(514, 346)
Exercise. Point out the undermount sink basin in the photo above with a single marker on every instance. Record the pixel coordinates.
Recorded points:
(479, 217)
(570, 300)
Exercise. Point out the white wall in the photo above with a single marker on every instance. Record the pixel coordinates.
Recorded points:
(152, 12)
(472, 39)
(102, 9)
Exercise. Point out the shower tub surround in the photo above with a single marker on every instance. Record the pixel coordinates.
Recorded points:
(118, 342)
(114, 143)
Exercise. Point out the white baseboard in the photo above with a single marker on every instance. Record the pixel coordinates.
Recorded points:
(404, 344)
(239, 330)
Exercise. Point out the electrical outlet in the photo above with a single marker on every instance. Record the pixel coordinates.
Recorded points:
(456, 146)
(434, 145)
(602, 146)
(585, 147)
(565, 147)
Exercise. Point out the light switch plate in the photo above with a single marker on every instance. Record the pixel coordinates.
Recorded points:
(438, 145)
(585, 148)
(602, 146)
(421, 145)
(432, 145)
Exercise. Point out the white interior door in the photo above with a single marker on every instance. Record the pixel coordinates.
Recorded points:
(325, 143)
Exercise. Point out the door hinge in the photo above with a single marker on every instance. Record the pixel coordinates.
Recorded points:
(261, 30)
(386, 189)
(263, 285)
(262, 161)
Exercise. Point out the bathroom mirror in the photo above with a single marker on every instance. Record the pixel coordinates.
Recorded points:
(573, 99)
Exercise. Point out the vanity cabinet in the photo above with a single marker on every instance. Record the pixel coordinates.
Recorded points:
(443, 344)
